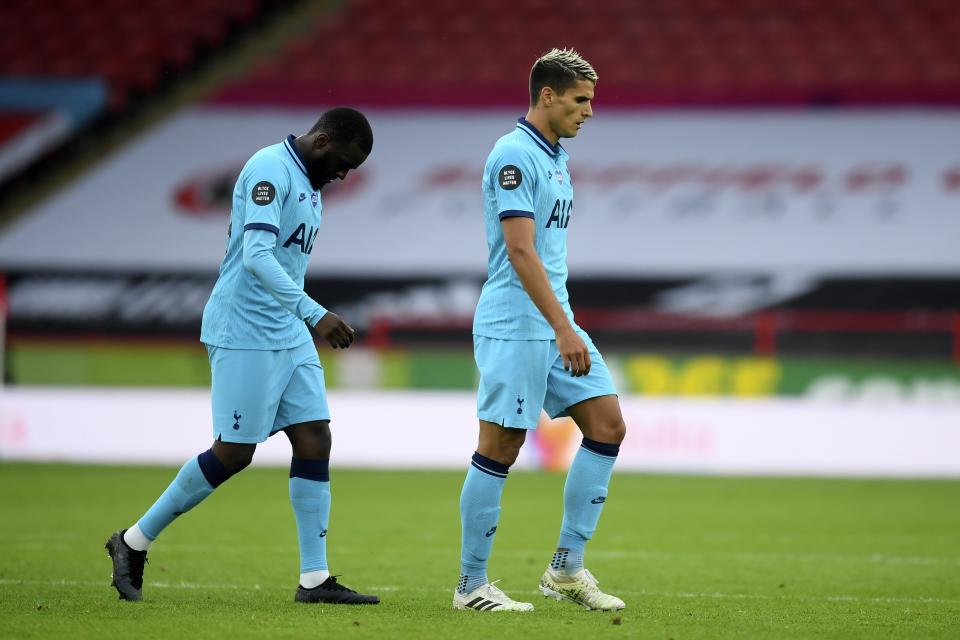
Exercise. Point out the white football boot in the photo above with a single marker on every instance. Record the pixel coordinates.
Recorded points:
(580, 588)
(488, 598)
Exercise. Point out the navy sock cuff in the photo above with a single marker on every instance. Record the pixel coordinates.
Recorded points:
(492, 467)
(602, 448)
(213, 470)
(318, 470)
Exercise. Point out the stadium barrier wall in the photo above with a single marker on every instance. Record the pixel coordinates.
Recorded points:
(856, 192)
(435, 430)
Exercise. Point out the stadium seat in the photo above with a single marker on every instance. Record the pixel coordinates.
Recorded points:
(139, 40)
(702, 51)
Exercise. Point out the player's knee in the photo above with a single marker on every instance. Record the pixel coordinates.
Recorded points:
(241, 459)
(611, 430)
(500, 443)
(503, 451)
(312, 440)
(235, 457)
(508, 447)
(616, 431)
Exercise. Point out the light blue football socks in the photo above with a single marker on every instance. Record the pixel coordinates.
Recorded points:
(195, 481)
(310, 497)
(584, 495)
(479, 514)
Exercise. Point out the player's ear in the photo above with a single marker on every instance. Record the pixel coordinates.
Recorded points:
(546, 96)
(321, 140)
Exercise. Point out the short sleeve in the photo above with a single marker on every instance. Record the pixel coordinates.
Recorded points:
(513, 179)
(265, 185)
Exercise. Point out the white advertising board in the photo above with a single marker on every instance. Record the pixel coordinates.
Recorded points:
(840, 192)
(434, 430)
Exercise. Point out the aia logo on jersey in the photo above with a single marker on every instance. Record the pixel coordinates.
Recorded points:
(303, 238)
(562, 210)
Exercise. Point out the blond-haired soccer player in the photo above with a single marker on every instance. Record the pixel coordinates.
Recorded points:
(530, 352)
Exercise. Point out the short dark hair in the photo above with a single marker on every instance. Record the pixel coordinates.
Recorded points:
(558, 69)
(345, 125)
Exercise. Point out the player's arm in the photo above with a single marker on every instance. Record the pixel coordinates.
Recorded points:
(259, 245)
(519, 233)
(267, 183)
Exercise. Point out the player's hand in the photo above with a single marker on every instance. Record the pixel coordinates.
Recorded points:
(335, 331)
(576, 355)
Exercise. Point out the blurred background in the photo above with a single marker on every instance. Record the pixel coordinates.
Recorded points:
(764, 243)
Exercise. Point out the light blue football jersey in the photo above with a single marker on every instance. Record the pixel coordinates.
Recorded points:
(525, 176)
(273, 193)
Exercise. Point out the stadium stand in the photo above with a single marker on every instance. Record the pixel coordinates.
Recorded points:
(69, 65)
(653, 53)
(437, 54)
(130, 45)
(450, 53)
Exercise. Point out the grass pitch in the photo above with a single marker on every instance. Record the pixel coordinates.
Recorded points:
(693, 557)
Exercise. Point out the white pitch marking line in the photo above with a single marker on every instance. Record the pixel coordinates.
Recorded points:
(875, 558)
(657, 594)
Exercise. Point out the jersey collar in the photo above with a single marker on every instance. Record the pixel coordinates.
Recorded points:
(524, 125)
(294, 154)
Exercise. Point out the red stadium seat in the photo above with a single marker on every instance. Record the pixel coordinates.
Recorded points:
(699, 47)
(717, 51)
(127, 43)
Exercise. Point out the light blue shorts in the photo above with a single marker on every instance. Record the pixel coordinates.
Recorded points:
(257, 393)
(518, 378)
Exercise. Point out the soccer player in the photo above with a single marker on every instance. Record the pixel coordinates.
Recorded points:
(266, 376)
(530, 352)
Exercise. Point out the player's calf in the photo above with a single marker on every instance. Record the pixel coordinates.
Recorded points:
(196, 480)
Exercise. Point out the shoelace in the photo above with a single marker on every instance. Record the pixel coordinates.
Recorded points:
(495, 591)
(591, 588)
(592, 583)
(336, 586)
